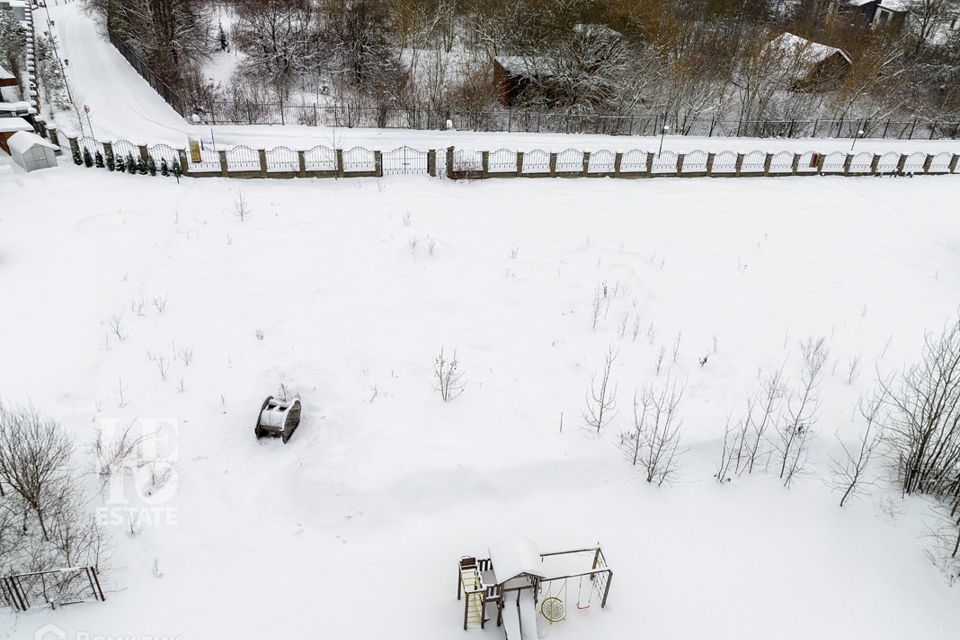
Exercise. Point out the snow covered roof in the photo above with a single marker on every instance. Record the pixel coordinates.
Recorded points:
(4, 74)
(895, 5)
(809, 52)
(525, 65)
(9, 125)
(513, 557)
(13, 107)
(22, 141)
(596, 29)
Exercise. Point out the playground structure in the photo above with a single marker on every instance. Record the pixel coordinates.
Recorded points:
(522, 582)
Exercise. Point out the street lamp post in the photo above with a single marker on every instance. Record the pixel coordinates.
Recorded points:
(663, 132)
(855, 138)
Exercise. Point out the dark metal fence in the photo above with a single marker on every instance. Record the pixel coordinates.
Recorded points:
(55, 588)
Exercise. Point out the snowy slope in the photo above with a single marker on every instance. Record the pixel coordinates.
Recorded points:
(124, 106)
(362, 516)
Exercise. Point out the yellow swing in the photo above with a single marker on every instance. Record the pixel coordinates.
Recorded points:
(553, 607)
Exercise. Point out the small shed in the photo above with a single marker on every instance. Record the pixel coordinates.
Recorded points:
(32, 152)
(10, 126)
(810, 65)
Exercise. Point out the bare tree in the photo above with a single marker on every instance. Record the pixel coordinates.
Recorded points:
(849, 472)
(447, 376)
(601, 396)
(795, 431)
(654, 439)
(34, 454)
(768, 401)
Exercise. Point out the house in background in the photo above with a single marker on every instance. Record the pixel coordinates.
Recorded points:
(876, 14)
(9, 86)
(515, 75)
(10, 126)
(812, 65)
(17, 7)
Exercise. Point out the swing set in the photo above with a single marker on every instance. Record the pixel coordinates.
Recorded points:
(515, 566)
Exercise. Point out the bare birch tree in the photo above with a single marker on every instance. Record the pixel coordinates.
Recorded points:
(601, 396)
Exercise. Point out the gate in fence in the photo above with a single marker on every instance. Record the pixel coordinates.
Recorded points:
(404, 160)
(55, 588)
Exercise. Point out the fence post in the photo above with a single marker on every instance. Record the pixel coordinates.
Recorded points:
(485, 163)
(767, 161)
(738, 166)
(262, 156)
(649, 164)
(302, 162)
(74, 145)
(927, 162)
(553, 164)
(339, 163)
(680, 157)
(953, 162)
(795, 164)
(586, 163)
(54, 138)
(846, 164)
(519, 163)
(901, 163)
(222, 155)
(108, 151)
(184, 167)
(449, 162)
(378, 163)
(710, 158)
(820, 158)
(874, 164)
(144, 154)
(431, 162)
(618, 160)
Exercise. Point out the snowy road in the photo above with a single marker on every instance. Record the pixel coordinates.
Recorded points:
(123, 105)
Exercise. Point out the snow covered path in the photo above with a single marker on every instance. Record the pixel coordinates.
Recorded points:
(125, 106)
(332, 288)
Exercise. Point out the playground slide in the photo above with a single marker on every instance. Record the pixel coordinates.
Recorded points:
(511, 620)
(528, 616)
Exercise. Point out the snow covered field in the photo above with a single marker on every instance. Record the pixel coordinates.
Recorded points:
(124, 106)
(331, 288)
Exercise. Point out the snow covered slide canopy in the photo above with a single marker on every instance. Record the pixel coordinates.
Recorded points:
(516, 558)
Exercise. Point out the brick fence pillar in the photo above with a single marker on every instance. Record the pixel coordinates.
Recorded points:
(485, 163)
(432, 162)
(184, 165)
(378, 163)
(586, 163)
(262, 157)
(74, 145)
(224, 169)
(901, 163)
(108, 151)
(953, 162)
(144, 154)
(795, 164)
(649, 164)
(927, 162)
(339, 163)
(767, 161)
(301, 164)
(617, 163)
(680, 157)
(519, 163)
(820, 158)
(874, 164)
(553, 164)
(710, 158)
(449, 162)
(846, 164)
(738, 166)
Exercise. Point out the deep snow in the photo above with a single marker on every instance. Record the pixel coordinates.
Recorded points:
(354, 528)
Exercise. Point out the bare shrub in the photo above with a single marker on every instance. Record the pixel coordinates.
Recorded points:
(653, 441)
(850, 471)
(447, 376)
(601, 396)
(794, 433)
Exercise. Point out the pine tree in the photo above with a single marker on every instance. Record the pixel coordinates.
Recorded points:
(151, 166)
(111, 162)
(223, 38)
(164, 169)
(141, 167)
(98, 160)
(121, 165)
(87, 158)
(131, 164)
(77, 158)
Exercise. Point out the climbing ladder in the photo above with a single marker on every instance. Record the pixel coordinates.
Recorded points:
(471, 585)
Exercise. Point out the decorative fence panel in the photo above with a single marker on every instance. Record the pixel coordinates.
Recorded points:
(888, 162)
(404, 160)
(915, 162)
(502, 161)
(91, 145)
(320, 159)
(282, 159)
(833, 162)
(665, 162)
(861, 163)
(536, 161)
(470, 161)
(602, 162)
(359, 159)
(161, 152)
(808, 162)
(695, 162)
(570, 161)
(725, 162)
(634, 161)
(941, 162)
(243, 158)
(124, 148)
(754, 162)
(209, 161)
(781, 163)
